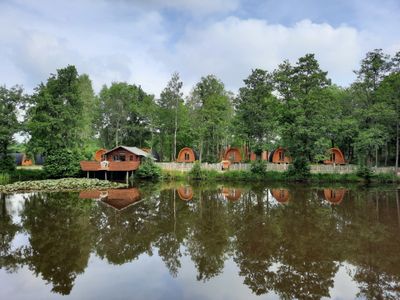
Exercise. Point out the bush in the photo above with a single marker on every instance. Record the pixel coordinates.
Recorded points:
(7, 163)
(5, 178)
(258, 168)
(148, 170)
(196, 172)
(62, 163)
(365, 172)
(299, 169)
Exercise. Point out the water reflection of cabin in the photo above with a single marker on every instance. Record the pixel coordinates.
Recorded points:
(185, 193)
(117, 198)
(334, 196)
(119, 159)
(231, 194)
(281, 195)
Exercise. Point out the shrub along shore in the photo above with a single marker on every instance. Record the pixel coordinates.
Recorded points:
(64, 184)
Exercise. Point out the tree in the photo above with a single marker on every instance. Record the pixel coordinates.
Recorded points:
(90, 104)
(170, 104)
(305, 98)
(389, 92)
(10, 101)
(212, 111)
(54, 119)
(374, 67)
(255, 109)
(124, 116)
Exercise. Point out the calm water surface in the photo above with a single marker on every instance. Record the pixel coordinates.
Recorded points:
(219, 242)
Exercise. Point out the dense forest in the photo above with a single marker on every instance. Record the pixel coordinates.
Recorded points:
(296, 106)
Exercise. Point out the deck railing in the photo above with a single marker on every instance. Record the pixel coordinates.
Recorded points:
(109, 166)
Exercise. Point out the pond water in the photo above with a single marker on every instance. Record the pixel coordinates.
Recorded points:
(218, 242)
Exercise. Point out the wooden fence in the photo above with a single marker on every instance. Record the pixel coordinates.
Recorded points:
(340, 169)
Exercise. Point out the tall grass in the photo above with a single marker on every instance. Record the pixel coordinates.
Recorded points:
(5, 178)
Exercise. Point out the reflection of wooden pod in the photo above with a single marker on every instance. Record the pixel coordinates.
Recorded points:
(281, 195)
(278, 156)
(116, 198)
(233, 154)
(231, 194)
(185, 193)
(98, 155)
(336, 157)
(186, 155)
(334, 196)
(92, 194)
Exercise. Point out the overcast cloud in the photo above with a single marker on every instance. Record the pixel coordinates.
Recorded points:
(143, 42)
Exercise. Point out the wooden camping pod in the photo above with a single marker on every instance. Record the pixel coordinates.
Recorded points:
(278, 156)
(99, 154)
(186, 155)
(233, 154)
(264, 156)
(336, 157)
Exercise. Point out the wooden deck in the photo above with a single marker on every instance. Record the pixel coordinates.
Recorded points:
(110, 166)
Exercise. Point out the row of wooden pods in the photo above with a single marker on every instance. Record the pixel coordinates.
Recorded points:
(277, 156)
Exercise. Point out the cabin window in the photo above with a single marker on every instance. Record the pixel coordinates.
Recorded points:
(131, 157)
(281, 156)
(187, 156)
(122, 157)
(115, 158)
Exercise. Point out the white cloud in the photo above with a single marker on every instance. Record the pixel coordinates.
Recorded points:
(138, 42)
(232, 47)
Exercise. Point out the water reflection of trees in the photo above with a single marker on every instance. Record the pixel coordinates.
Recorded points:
(293, 250)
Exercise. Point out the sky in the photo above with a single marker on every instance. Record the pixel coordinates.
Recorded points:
(143, 42)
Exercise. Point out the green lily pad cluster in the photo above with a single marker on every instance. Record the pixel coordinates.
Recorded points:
(59, 185)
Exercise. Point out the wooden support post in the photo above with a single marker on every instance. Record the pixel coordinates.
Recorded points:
(87, 174)
(105, 175)
(127, 177)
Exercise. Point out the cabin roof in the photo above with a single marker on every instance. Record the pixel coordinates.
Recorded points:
(134, 150)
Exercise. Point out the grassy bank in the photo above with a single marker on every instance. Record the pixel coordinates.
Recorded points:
(271, 176)
(65, 184)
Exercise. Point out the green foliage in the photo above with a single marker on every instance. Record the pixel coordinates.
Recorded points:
(54, 118)
(365, 172)
(256, 107)
(125, 113)
(5, 178)
(258, 168)
(7, 163)
(60, 185)
(148, 170)
(299, 169)
(10, 101)
(196, 173)
(62, 163)
(211, 107)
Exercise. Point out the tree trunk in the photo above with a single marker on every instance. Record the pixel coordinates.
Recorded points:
(397, 147)
(175, 129)
(376, 156)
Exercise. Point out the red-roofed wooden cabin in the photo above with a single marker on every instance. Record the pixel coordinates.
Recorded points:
(336, 157)
(278, 156)
(186, 155)
(233, 154)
